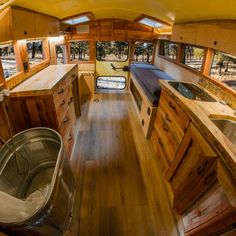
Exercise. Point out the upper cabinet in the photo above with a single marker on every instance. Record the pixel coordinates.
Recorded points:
(17, 23)
(219, 35)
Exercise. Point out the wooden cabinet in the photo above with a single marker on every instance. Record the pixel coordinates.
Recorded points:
(184, 33)
(170, 126)
(214, 212)
(54, 105)
(18, 23)
(217, 35)
(192, 170)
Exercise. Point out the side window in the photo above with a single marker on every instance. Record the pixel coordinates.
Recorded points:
(169, 50)
(143, 52)
(35, 51)
(79, 50)
(223, 68)
(8, 60)
(112, 51)
(193, 57)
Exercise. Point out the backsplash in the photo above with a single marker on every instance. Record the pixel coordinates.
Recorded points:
(221, 93)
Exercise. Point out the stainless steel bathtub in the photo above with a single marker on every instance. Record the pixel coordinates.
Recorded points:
(39, 163)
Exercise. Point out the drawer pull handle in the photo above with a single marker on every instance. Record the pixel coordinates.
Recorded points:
(66, 120)
(173, 107)
(160, 142)
(61, 91)
(70, 101)
(164, 127)
(202, 168)
(73, 76)
(62, 103)
(167, 118)
(208, 178)
(69, 139)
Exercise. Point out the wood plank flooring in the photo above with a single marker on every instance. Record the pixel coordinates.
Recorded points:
(120, 191)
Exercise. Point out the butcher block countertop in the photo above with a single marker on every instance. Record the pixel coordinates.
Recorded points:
(200, 113)
(43, 82)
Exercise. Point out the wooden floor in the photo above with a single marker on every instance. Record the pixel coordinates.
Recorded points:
(119, 186)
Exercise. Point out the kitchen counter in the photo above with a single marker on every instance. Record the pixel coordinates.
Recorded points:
(200, 112)
(43, 82)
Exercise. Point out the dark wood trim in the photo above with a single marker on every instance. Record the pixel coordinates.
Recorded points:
(151, 18)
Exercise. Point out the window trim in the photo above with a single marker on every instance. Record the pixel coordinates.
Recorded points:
(46, 56)
(181, 58)
(153, 52)
(161, 48)
(113, 41)
(79, 40)
(111, 88)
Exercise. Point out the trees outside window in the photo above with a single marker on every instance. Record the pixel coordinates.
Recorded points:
(79, 50)
(8, 60)
(112, 51)
(35, 51)
(143, 52)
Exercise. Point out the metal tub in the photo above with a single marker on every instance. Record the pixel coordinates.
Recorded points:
(37, 178)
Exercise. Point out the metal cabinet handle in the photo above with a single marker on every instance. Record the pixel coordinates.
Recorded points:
(73, 76)
(164, 127)
(61, 91)
(173, 107)
(208, 178)
(160, 142)
(62, 103)
(167, 118)
(69, 139)
(202, 168)
(70, 101)
(66, 120)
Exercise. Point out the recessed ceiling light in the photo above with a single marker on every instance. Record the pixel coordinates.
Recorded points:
(77, 20)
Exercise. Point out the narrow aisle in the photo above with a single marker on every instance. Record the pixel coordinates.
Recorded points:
(113, 197)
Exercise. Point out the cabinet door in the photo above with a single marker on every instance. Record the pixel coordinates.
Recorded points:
(184, 33)
(191, 165)
(46, 26)
(23, 24)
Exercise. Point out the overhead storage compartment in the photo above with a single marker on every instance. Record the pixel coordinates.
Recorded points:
(19, 23)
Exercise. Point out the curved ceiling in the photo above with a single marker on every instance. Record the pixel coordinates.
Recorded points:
(167, 10)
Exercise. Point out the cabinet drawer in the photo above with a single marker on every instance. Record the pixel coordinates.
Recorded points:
(160, 150)
(60, 92)
(174, 115)
(65, 125)
(170, 144)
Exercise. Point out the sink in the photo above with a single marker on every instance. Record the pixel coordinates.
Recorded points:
(191, 91)
(227, 126)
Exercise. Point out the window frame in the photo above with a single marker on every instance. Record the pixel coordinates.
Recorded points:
(162, 50)
(18, 63)
(143, 41)
(111, 88)
(181, 61)
(45, 53)
(128, 50)
(80, 40)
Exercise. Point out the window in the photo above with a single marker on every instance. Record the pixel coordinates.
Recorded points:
(60, 52)
(223, 68)
(193, 57)
(143, 52)
(169, 49)
(35, 51)
(111, 82)
(112, 51)
(8, 60)
(79, 50)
